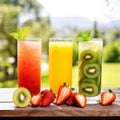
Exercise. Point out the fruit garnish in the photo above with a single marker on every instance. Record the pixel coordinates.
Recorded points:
(86, 36)
(81, 100)
(107, 97)
(47, 97)
(36, 100)
(21, 34)
(64, 93)
(91, 70)
(70, 100)
(21, 97)
(88, 56)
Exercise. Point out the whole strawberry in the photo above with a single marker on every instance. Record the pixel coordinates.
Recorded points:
(47, 97)
(107, 97)
(64, 93)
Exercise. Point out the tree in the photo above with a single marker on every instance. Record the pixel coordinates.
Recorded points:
(9, 21)
(95, 30)
(11, 12)
(76, 46)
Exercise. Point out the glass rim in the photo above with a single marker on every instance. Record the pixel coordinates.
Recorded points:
(32, 39)
(97, 39)
(93, 40)
(60, 39)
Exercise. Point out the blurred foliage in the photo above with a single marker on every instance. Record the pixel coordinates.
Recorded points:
(75, 53)
(111, 53)
(117, 44)
(8, 22)
(95, 30)
(11, 11)
(75, 46)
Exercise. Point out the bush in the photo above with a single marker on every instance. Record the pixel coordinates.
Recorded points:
(111, 53)
(75, 53)
(117, 44)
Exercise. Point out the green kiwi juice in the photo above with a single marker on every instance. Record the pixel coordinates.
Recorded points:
(89, 69)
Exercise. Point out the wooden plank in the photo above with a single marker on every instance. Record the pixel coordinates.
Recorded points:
(62, 110)
(8, 109)
(6, 93)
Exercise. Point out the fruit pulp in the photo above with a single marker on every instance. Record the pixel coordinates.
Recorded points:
(60, 64)
(90, 60)
(29, 65)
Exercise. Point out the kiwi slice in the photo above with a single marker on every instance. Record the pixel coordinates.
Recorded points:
(91, 70)
(21, 97)
(88, 89)
(92, 81)
(86, 80)
(88, 56)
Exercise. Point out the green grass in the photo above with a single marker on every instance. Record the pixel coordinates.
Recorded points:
(45, 82)
(110, 77)
(8, 84)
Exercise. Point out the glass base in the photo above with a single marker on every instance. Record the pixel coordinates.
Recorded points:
(93, 100)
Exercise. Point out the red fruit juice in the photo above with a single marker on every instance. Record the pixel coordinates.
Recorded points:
(29, 65)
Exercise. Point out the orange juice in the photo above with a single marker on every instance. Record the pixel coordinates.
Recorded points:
(60, 63)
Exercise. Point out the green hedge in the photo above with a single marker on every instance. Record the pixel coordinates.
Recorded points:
(111, 53)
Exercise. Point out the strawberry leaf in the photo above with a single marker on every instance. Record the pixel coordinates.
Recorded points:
(110, 91)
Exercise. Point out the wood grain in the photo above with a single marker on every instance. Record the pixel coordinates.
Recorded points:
(8, 109)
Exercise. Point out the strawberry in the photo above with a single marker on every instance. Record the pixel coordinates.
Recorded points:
(107, 97)
(70, 100)
(64, 93)
(81, 100)
(48, 97)
(36, 100)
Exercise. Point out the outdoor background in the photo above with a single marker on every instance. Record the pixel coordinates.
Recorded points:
(60, 18)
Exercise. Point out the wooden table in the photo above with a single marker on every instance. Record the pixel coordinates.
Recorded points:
(8, 109)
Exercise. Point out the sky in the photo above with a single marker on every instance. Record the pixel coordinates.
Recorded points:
(92, 9)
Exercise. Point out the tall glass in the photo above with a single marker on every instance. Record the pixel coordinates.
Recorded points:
(60, 62)
(90, 68)
(29, 64)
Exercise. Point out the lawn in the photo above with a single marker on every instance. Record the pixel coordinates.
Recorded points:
(110, 77)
